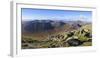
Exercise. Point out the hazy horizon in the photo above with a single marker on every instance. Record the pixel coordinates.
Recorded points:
(29, 14)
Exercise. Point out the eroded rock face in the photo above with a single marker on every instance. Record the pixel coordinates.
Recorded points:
(74, 42)
(37, 26)
(41, 25)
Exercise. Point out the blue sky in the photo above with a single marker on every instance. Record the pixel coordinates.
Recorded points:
(41, 14)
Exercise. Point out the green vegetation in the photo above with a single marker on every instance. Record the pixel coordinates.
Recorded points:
(81, 36)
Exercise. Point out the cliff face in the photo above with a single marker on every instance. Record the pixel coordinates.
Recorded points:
(40, 25)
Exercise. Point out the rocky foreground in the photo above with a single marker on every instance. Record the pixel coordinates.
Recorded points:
(78, 37)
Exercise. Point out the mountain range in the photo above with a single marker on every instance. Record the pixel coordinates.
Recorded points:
(47, 25)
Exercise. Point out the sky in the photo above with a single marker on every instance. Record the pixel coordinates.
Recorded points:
(41, 14)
